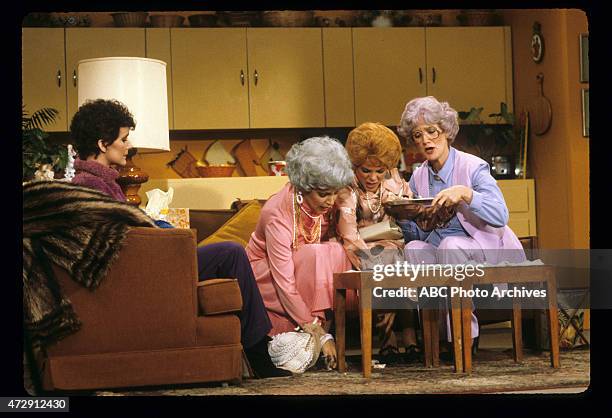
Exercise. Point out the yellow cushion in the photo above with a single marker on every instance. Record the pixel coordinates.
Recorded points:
(238, 228)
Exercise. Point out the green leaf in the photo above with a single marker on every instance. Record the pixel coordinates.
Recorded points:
(43, 117)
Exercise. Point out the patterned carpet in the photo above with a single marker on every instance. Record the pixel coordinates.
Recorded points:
(493, 371)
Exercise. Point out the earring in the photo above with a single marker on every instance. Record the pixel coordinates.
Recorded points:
(299, 198)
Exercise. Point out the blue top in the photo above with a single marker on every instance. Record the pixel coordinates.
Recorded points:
(487, 202)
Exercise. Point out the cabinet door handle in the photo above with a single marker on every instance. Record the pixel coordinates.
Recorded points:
(74, 78)
(420, 75)
(256, 75)
(242, 77)
(59, 78)
(433, 73)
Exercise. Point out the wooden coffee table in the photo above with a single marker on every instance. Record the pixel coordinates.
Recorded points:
(460, 312)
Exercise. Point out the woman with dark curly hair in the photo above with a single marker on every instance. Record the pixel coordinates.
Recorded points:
(100, 131)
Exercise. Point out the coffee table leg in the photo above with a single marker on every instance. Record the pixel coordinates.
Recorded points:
(456, 333)
(466, 329)
(365, 319)
(435, 337)
(427, 318)
(340, 318)
(517, 333)
(553, 321)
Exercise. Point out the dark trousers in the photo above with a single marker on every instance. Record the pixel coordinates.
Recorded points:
(229, 260)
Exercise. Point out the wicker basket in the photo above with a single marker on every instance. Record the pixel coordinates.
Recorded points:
(424, 19)
(478, 18)
(203, 20)
(288, 18)
(239, 18)
(218, 170)
(167, 21)
(130, 19)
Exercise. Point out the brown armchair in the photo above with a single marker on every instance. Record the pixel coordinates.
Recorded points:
(150, 322)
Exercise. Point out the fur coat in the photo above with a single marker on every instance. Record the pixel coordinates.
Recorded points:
(78, 229)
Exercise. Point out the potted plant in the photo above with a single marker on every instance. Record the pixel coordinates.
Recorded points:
(495, 144)
(41, 159)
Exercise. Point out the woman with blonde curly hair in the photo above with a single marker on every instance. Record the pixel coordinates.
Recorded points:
(374, 151)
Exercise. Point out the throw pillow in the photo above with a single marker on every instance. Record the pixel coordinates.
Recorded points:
(238, 228)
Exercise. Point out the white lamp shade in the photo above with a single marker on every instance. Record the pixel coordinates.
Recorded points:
(138, 83)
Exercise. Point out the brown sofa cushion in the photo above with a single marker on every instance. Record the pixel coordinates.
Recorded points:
(218, 296)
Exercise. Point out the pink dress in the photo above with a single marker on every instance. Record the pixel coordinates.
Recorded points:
(296, 285)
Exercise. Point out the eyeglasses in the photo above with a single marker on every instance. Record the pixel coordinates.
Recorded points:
(431, 131)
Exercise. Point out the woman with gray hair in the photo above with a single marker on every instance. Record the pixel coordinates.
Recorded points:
(478, 230)
(290, 251)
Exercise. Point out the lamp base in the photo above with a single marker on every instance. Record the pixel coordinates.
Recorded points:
(130, 178)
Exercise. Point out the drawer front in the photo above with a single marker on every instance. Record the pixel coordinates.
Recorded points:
(517, 197)
(520, 227)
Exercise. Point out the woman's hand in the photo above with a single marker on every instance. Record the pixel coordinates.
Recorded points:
(329, 353)
(452, 196)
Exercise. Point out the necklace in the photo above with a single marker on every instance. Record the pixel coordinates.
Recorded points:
(309, 215)
(313, 235)
(375, 211)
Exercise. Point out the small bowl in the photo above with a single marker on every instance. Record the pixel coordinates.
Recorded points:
(203, 20)
(167, 21)
(277, 168)
(130, 19)
(219, 170)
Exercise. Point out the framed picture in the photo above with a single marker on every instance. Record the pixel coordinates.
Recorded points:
(584, 57)
(585, 112)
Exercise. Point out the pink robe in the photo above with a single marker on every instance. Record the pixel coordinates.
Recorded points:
(296, 285)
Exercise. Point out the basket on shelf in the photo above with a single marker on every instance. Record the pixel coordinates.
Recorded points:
(288, 18)
(239, 18)
(203, 20)
(420, 18)
(216, 170)
(478, 18)
(130, 19)
(167, 21)
(184, 164)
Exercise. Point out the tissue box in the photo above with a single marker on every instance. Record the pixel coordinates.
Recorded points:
(178, 217)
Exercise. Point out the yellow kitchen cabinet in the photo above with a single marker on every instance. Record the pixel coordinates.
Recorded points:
(466, 66)
(158, 47)
(470, 67)
(43, 73)
(520, 200)
(86, 43)
(338, 77)
(285, 77)
(210, 78)
(389, 70)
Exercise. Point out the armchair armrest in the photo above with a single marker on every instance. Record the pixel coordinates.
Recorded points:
(218, 296)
